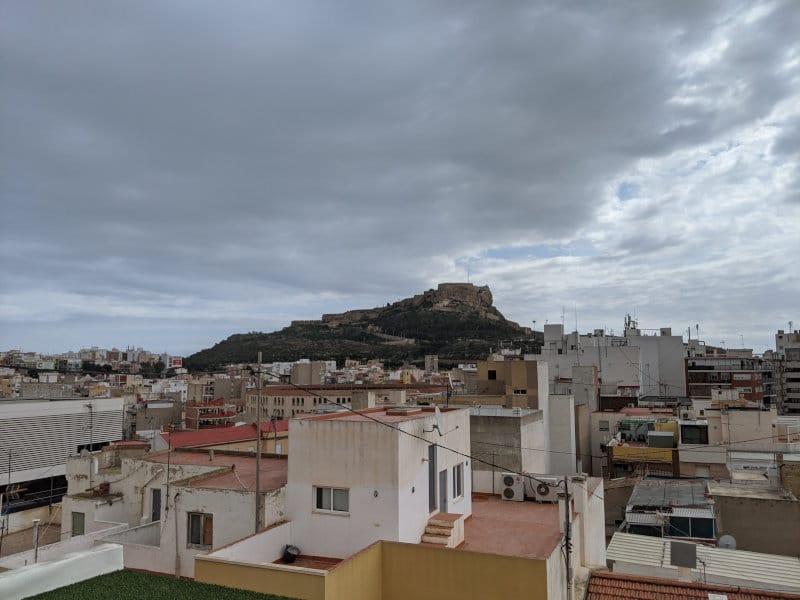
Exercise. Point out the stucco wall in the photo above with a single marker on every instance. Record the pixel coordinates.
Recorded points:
(23, 519)
(57, 550)
(385, 471)
(397, 571)
(561, 428)
(774, 530)
(42, 577)
(301, 584)
(414, 571)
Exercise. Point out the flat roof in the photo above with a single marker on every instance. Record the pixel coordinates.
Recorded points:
(661, 493)
(501, 411)
(507, 528)
(756, 491)
(382, 414)
(272, 475)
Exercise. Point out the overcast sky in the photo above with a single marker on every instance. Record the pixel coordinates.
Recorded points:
(175, 172)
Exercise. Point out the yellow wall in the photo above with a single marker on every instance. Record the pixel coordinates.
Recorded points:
(392, 571)
(668, 426)
(261, 578)
(642, 454)
(421, 572)
(358, 578)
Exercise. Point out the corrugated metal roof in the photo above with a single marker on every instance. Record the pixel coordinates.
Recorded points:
(693, 513)
(778, 572)
(643, 518)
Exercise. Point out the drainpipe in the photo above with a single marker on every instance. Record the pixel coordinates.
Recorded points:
(177, 555)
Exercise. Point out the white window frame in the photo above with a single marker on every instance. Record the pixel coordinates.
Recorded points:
(330, 492)
(202, 517)
(458, 481)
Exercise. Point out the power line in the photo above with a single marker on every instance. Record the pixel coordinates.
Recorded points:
(418, 437)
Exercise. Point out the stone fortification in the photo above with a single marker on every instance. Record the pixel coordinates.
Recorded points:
(447, 297)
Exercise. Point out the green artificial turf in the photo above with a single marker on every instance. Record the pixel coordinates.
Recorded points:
(131, 585)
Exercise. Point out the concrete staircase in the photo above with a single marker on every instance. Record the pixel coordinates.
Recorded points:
(444, 530)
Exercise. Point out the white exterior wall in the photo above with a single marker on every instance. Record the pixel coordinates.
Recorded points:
(556, 576)
(43, 577)
(385, 471)
(535, 454)
(662, 366)
(561, 426)
(413, 506)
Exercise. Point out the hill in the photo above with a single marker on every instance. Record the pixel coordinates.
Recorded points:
(457, 321)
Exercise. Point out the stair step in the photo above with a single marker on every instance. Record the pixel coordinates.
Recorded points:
(433, 521)
(434, 530)
(441, 540)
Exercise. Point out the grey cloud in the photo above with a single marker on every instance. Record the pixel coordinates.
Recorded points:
(212, 152)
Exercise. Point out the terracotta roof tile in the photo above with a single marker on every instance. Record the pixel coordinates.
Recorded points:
(621, 586)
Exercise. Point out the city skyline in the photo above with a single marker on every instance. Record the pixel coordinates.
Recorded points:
(172, 175)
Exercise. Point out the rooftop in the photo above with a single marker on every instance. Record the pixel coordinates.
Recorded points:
(223, 435)
(523, 529)
(669, 492)
(314, 389)
(242, 477)
(500, 411)
(621, 586)
(760, 570)
(759, 492)
(384, 415)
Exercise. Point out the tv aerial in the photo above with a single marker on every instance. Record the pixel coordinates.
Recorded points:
(438, 425)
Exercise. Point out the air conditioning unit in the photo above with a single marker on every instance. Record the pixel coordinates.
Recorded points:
(544, 488)
(513, 487)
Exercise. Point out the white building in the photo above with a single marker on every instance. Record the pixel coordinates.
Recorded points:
(353, 480)
(652, 363)
(175, 504)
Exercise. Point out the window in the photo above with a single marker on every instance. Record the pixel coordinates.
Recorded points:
(604, 426)
(694, 434)
(201, 530)
(492, 374)
(335, 500)
(458, 480)
(520, 392)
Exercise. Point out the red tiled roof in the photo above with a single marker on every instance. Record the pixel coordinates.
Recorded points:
(272, 475)
(621, 586)
(222, 435)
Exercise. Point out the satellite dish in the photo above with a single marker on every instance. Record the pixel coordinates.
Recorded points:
(438, 415)
(727, 541)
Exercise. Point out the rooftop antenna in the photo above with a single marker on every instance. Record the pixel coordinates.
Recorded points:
(438, 425)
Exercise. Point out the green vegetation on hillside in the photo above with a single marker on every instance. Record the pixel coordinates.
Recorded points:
(403, 332)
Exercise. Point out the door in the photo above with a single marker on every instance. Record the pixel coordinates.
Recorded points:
(431, 478)
(155, 505)
(78, 522)
(443, 491)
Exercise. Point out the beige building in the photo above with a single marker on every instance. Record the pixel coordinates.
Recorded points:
(520, 382)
